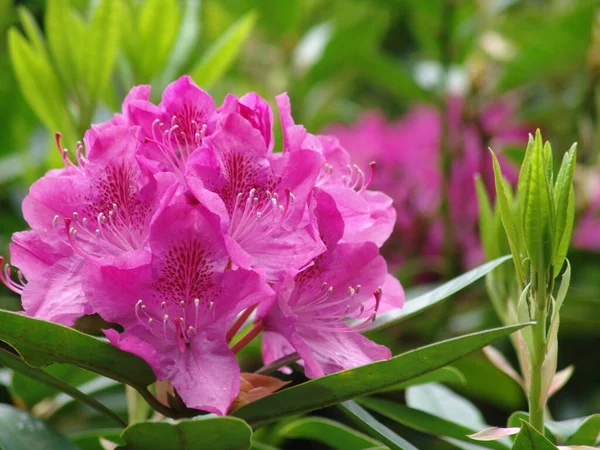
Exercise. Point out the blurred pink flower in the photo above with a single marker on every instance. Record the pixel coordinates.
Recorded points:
(408, 168)
(586, 234)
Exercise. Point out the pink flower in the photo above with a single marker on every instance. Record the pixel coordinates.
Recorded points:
(368, 215)
(408, 169)
(177, 308)
(100, 208)
(174, 129)
(321, 312)
(261, 198)
(179, 221)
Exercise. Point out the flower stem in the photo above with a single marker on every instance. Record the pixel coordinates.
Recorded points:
(255, 331)
(278, 363)
(239, 322)
(537, 398)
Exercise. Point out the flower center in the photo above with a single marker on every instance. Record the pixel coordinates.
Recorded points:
(257, 218)
(329, 312)
(354, 178)
(177, 141)
(176, 323)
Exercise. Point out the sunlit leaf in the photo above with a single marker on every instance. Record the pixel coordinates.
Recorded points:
(222, 54)
(103, 46)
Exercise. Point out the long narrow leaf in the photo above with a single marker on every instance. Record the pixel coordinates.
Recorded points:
(331, 433)
(18, 365)
(361, 417)
(426, 422)
(368, 379)
(223, 52)
(41, 343)
(426, 301)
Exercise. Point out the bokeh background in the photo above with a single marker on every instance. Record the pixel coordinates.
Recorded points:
(421, 87)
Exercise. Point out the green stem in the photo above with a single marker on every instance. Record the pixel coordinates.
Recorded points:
(445, 150)
(537, 398)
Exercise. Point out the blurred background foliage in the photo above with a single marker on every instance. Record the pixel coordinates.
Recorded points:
(67, 63)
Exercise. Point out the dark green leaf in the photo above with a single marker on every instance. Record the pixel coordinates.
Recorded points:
(445, 374)
(210, 432)
(17, 364)
(222, 54)
(32, 392)
(368, 379)
(374, 427)
(431, 298)
(41, 343)
(530, 439)
(426, 422)
(90, 439)
(329, 432)
(23, 431)
(390, 75)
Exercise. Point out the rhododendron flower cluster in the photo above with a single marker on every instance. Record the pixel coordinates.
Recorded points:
(586, 234)
(409, 168)
(178, 222)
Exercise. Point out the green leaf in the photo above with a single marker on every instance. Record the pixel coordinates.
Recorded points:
(32, 30)
(384, 72)
(90, 439)
(530, 439)
(587, 433)
(157, 26)
(564, 205)
(329, 432)
(431, 298)
(223, 52)
(211, 432)
(426, 422)
(445, 374)
(508, 216)
(487, 230)
(374, 427)
(39, 84)
(32, 392)
(551, 45)
(21, 430)
(440, 401)
(41, 343)
(58, 28)
(538, 210)
(368, 379)
(17, 364)
(103, 46)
